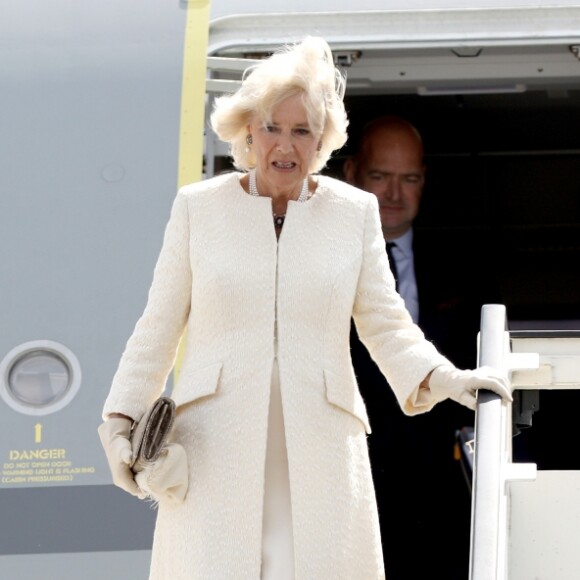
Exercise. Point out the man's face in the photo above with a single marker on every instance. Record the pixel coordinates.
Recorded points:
(391, 167)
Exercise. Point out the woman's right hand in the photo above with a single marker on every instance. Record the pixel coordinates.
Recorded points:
(114, 434)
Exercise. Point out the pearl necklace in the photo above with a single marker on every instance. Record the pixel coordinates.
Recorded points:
(278, 219)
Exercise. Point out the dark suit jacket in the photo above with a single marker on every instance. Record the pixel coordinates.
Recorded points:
(422, 494)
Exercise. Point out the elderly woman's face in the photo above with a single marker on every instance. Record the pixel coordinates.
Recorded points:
(284, 148)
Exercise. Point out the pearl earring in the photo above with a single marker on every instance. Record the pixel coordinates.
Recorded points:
(249, 142)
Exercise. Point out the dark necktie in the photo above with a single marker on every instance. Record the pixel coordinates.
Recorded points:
(392, 263)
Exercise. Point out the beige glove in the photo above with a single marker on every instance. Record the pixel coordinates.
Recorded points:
(448, 382)
(114, 434)
(166, 478)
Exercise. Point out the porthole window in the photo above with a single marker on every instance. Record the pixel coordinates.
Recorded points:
(39, 377)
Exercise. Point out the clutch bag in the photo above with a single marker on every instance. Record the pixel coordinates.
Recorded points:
(150, 434)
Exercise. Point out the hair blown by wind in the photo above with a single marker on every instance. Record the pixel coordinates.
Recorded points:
(307, 69)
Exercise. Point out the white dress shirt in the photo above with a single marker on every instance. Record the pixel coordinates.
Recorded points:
(403, 255)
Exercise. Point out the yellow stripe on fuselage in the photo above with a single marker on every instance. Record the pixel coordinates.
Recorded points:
(192, 118)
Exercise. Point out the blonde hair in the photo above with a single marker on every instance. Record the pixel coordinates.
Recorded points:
(306, 69)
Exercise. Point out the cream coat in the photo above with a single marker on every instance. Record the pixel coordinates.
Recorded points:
(224, 278)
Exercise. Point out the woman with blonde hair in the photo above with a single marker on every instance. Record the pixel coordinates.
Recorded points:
(263, 268)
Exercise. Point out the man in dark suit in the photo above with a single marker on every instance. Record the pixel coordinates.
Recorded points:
(423, 496)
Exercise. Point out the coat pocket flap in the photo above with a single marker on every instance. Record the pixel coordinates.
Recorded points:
(343, 392)
(194, 384)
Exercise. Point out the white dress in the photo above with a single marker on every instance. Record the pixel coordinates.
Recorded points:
(277, 536)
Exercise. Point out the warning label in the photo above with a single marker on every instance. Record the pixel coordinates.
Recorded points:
(41, 466)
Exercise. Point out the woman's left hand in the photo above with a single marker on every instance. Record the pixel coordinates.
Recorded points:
(449, 382)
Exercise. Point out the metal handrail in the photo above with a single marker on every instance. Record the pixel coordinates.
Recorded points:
(488, 519)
